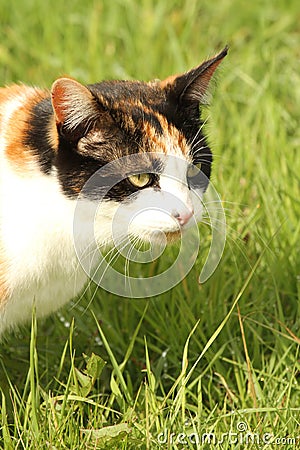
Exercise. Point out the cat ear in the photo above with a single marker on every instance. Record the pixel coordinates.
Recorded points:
(73, 104)
(192, 86)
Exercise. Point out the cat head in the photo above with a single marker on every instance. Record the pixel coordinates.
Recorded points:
(146, 143)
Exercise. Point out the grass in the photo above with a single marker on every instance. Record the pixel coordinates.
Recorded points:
(218, 358)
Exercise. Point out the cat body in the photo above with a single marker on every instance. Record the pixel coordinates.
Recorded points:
(51, 144)
(36, 246)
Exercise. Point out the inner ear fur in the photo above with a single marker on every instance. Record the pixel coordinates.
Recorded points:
(72, 103)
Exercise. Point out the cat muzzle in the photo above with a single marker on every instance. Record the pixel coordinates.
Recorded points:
(183, 217)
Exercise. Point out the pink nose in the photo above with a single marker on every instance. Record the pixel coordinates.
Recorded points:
(183, 217)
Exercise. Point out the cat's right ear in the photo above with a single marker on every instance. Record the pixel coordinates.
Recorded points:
(191, 87)
(73, 104)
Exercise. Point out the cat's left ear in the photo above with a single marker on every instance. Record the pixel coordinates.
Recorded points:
(192, 86)
(73, 104)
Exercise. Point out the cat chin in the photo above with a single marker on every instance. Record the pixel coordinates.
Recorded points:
(162, 237)
(173, 236)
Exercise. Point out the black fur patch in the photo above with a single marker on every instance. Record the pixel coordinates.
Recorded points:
(37, 138)
(129, 100)
(186, 118)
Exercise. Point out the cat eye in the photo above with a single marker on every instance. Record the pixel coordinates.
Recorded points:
(140, 180)
(194, 170)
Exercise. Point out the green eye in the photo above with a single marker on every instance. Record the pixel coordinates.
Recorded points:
(193, 170)
(140, 180)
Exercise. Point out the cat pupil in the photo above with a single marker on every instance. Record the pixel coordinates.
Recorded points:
(140, 180)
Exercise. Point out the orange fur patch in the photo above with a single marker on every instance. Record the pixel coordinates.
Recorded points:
(160, 142)
(52, 134)
(11, 92)
(15, 124)
(154, 142)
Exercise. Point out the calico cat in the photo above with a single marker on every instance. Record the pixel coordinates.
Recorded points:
(51, 143)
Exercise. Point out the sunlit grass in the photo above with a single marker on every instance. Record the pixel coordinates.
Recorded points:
(199, 358)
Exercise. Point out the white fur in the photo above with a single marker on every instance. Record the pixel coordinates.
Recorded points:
(36, 229)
